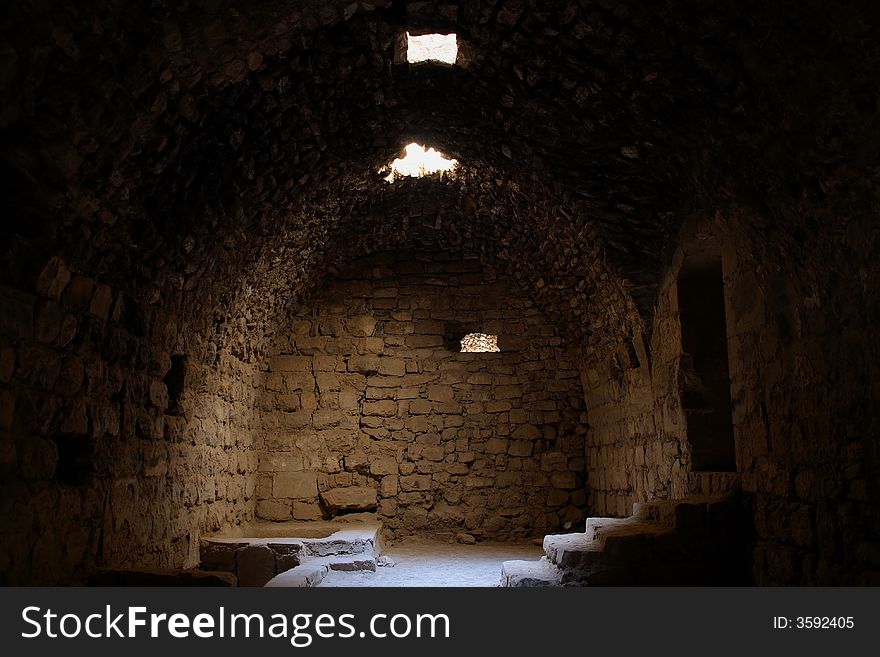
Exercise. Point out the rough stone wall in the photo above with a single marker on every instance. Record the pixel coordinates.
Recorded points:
(637, 444)
(805, 391)
(801, 376)
(367, 394)
(93, 471)
(204, 165)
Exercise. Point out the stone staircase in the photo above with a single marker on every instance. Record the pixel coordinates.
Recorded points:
(293, 554)
(688, 542)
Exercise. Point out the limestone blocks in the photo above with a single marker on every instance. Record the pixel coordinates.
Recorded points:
(376, 412)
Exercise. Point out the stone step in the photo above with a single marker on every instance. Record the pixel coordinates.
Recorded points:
(659, 511)
(345, 541)
(687, 513)
(529, 573)
(626, 537)
(692, 540)
(312, 570)
(305, 575)
(598, 528)
(571, 550)
(274, 548)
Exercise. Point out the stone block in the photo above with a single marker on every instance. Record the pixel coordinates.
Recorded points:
(102, 298)
(364, 365)
(527, 432)
(428, 327)
(328, 382)
(47, 323)
(328, 364)
(415, 483)
(71, 377)
(338, 440)
(384, 408)
(290, 364)
(496, 446)
(349, 400)
(389, 485)
(441, 393)
(420, 407)
(520, 448)
(423, 341)
(76, 419)
(553, 461)
(296, 420)
(467, 457)
(280, 462)
(433, 453)
(273, 510)
(407, 393)
(392, 366)
(298, 485)
(306, 511)
(349, 498)
(458, 469)
(384, 381)
(256, 565)
(219, 556)
(361, 325)
(415, 517)
(287, 555)
(507, 479)
(381, 393)
(54, 278)
(417, 425)
(383, 465)
(564, 480)
(508, 392)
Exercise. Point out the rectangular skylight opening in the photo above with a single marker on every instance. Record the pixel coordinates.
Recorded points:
(431, 48)
(418, 162)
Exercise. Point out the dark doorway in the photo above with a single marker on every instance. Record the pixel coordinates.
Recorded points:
(704, 372)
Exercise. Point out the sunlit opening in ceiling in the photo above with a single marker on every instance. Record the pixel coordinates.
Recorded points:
(418, 162)
(431, 48)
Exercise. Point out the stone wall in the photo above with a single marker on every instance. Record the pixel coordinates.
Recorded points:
(805, 394)
(638, 443)
(797, 385)
(369, 400)
(93, 470)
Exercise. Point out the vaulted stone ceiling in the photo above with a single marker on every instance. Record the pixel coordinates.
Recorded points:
(217, 159)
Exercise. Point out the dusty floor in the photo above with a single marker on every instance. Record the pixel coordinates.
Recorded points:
(424, 562)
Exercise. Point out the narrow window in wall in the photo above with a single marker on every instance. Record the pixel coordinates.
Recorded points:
(704, 372)
(479, 343)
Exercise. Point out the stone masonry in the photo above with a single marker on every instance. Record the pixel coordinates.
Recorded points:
(203, 319)
(369, 404)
